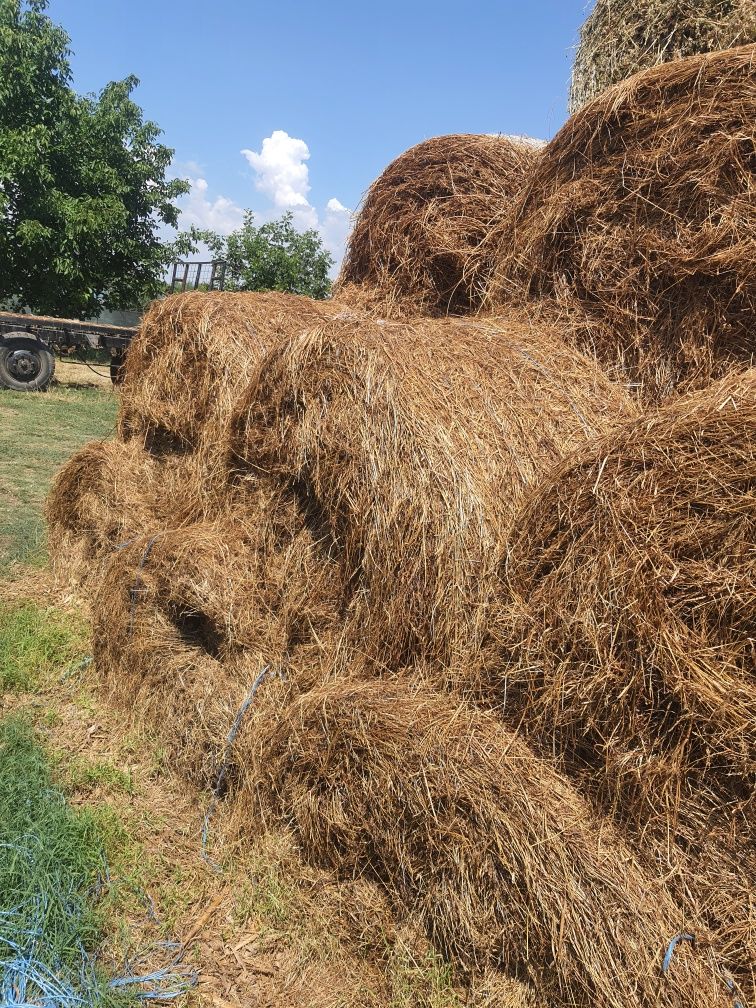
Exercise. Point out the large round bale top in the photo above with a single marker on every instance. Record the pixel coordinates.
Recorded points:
(621, 37)
(424, 217)
(409, 447)
(633, 570)
(194, 353)
(642, 214)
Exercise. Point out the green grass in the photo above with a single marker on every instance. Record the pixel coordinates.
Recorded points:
(51, 862)
(35, 642)
(38, 433)
(81, 774)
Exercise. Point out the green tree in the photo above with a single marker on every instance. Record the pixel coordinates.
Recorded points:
(274, 256)
(83, 188)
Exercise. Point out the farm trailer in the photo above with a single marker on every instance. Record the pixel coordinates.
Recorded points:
(29, 344)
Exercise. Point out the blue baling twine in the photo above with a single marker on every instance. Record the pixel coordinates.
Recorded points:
(220, 780)
(134, 592)
(681, 937)
(27, 982)
(28, 979)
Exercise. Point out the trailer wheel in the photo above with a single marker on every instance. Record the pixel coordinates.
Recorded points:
(26, 365)
(118, 367)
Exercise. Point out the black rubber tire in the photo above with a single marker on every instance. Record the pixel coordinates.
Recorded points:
(26, 365)
(118, 368)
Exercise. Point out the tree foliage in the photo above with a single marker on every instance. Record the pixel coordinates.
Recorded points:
(273, 256)
(83, 186)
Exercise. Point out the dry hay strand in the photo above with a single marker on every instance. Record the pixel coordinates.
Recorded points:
(621, 37)
(492, 851)
(408, 448)
(632, 572)
(184, 620)
(193, 356)
(422, 219)
(641, 214)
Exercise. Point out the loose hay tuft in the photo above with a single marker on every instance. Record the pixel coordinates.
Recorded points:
(641, 214)
(410, 252)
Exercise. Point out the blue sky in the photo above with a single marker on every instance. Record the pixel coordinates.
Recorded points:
(351, 85)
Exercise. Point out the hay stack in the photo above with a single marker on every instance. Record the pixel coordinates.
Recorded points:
(641, 214)
(493, 851)
(408, 448)
(423, 218)
(633, 569)
(621, 37)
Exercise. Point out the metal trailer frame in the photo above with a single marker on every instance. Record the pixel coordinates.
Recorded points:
(30, 343)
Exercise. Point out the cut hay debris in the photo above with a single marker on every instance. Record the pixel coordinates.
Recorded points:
(184, 620)
(493, 851)
(193, 356)
(409, 448)
(642, 215)
(621, 37)
(409, 253)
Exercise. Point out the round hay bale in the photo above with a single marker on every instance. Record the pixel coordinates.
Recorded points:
(497, 856)
(621, 37)
(408, 447)
(185, 619)
(422, 220)
(641, 214)
(92, 506)
(193, 356)
(111, 492)
(632, 570)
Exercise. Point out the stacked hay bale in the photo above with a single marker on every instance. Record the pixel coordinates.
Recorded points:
(193, 356)
(639, 222)
(499, 857)
(412, 250)
(621, 37)
(438, 598)
(630, 583)
(408, 447)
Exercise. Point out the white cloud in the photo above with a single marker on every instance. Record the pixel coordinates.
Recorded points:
(283, 175)
(220, 214)
(281, 170)
(335, 227)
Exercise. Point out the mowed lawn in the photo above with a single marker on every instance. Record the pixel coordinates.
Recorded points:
(38, 432)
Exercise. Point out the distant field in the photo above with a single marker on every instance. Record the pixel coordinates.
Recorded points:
(38, 432)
